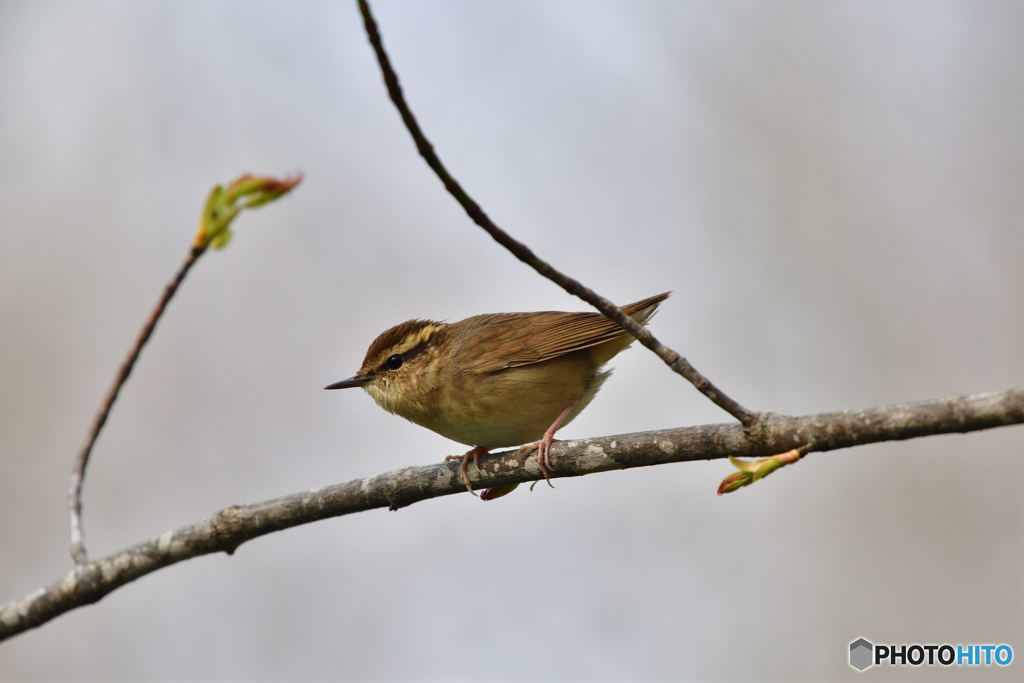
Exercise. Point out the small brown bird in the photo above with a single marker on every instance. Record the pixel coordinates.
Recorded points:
(497, 379)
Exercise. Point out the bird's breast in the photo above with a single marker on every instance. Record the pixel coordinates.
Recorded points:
(512, 406)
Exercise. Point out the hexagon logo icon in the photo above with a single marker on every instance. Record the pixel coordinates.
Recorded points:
(861, 654)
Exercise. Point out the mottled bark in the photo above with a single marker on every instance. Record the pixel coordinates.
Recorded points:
(227, 529)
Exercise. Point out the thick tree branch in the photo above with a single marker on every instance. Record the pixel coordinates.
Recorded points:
(229, 528)
(678, 364)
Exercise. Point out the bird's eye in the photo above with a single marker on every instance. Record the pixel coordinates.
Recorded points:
(395, 361)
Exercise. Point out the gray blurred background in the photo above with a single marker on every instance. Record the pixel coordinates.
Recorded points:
(833, 191)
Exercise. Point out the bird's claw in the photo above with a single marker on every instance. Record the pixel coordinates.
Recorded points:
(473, 453)
(543, 456)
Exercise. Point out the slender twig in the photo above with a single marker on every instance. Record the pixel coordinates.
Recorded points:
(678, 363)
(223, 204)
(78, 552)
(226, 530)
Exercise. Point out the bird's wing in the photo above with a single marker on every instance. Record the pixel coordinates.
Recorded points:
(513, 339)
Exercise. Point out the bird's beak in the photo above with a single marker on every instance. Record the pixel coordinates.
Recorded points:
(357, 381)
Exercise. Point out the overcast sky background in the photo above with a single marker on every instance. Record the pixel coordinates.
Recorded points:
(832, 190)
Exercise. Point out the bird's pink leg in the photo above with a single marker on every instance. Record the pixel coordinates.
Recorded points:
(544, 445)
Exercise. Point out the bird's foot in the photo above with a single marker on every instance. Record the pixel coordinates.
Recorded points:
(473, 453)
(543, 454)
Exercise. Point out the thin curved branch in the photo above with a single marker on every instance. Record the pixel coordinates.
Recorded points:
(678, 363)
(78, 553)
(223, 205)
(227, 529)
